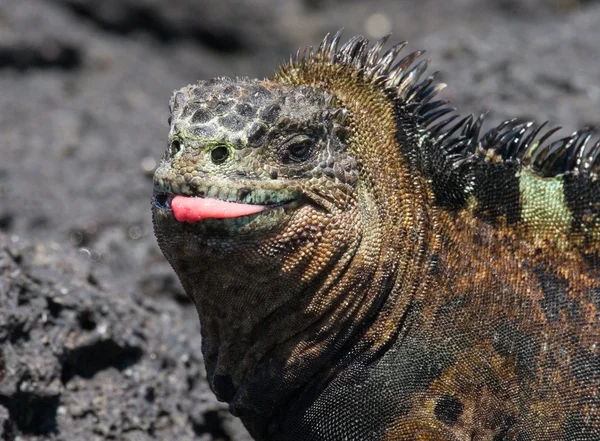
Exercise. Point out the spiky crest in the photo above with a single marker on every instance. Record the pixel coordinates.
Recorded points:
(523, 142)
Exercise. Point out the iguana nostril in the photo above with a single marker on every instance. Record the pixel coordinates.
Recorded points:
(175, 147)
(219, 154)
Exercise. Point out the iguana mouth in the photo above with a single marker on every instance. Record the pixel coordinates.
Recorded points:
(228, 204)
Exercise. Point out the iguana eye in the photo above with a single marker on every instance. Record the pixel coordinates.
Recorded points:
(297, 149)
(219, 154)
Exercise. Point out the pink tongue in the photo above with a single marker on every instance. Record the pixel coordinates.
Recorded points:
(192, 210)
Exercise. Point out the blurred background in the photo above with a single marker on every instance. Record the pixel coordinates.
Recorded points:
(97, 338)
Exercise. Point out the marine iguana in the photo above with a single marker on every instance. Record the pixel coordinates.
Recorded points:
(367, 265)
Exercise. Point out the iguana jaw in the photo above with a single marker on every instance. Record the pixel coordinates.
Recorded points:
(225, 207)
(245, 192)
(195, 209)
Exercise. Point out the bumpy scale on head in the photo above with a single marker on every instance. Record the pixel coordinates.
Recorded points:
(256, 143)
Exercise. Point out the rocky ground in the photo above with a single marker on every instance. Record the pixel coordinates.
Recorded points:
(97, 338)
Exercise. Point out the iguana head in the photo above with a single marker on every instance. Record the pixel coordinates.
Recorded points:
(250, 160)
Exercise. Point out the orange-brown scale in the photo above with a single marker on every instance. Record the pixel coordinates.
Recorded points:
(500, 288)
(387, 194)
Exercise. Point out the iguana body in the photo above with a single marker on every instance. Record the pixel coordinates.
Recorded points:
(384, 273)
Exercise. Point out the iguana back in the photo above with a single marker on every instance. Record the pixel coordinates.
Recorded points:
(368, 266)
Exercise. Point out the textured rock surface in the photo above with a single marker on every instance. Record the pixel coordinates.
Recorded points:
(97, 339)
(79, 361)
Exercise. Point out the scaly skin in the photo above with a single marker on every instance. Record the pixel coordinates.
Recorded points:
(406, 281)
